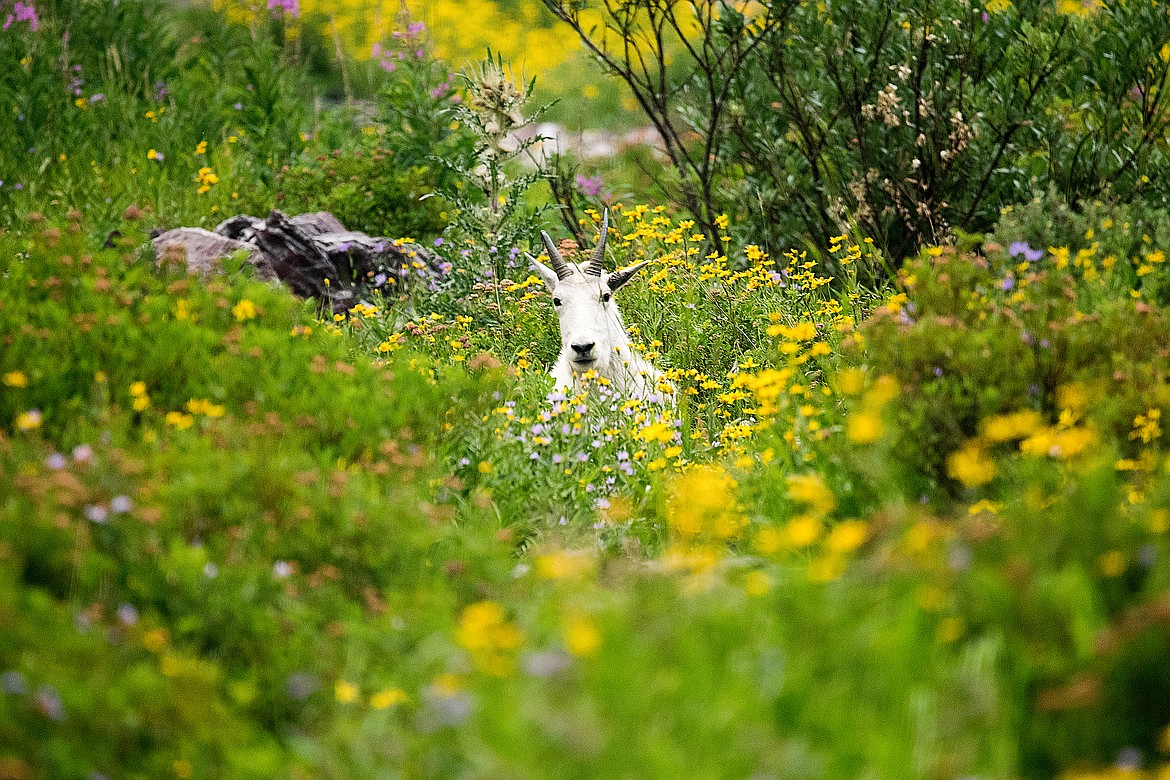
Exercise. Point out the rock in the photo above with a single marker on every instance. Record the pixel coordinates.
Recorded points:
(302, 252)
(201, 251)
(300, 263)
(238, 227)
(316, 223)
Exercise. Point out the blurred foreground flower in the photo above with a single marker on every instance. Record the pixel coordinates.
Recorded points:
(30, 420)
(486, 633)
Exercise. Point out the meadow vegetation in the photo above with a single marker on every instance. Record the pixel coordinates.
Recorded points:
(907, 514)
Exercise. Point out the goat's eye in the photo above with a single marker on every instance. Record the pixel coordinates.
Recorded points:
(605, 297)
(556, 301)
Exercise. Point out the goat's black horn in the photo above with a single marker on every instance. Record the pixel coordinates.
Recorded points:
(557, 262)
(597, 262)
(618, 278)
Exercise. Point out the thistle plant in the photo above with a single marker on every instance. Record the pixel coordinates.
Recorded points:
(490, 212)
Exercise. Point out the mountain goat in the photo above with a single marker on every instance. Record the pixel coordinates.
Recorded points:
(593, 336)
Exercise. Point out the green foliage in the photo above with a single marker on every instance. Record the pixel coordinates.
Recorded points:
(97, 87)
(997, 334)
(910, 122)
(366, 188)
(916, 119)
(387, 182)
(151, 561)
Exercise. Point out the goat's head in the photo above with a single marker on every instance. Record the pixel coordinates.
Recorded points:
(591, 327)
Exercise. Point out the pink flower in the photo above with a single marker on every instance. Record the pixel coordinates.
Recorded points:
(290, 7)
(23, 12)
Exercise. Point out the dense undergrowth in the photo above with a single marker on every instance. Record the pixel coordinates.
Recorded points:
(913, 527)
(242, 541)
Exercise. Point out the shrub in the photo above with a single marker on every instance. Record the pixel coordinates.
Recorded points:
(364, 187)
(909, 121)
(918, 120)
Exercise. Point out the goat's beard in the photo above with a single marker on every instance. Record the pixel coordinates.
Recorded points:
(600, 363)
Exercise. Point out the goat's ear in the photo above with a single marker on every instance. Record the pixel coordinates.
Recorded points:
(617, 279)
(547, 274)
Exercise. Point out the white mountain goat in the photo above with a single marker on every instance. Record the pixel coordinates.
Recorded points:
(593, 336)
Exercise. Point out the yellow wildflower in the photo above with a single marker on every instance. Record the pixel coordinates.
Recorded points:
(971, 466)
(27, 421)
(565, 564)
(810, 489)
(388, 697)
(16, 379)
(244, 310)
(582, 637)
(486, 633)
(345, 692)
(847, 536)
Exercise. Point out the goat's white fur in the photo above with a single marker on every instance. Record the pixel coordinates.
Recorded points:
(593, 336)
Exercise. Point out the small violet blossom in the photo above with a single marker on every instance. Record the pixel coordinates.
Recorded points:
(290, 7)
(1022, 248)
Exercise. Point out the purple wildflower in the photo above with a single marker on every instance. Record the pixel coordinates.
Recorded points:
(48, 703)
(545, 663)
(1129, 759)
(13, 682)
(290, 7)
(23, 12)
(301, 685)
(1022, 248)
(127, 614)
(591, 186)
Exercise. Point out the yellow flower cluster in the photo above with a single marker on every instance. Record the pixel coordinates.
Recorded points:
(205, 178)
(974, 466)
(702, 506)
(204, 407)
(491, 639)
(244, 310)
(16, 379)
(141, 400)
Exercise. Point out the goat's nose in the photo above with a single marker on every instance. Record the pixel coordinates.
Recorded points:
(584, 349)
